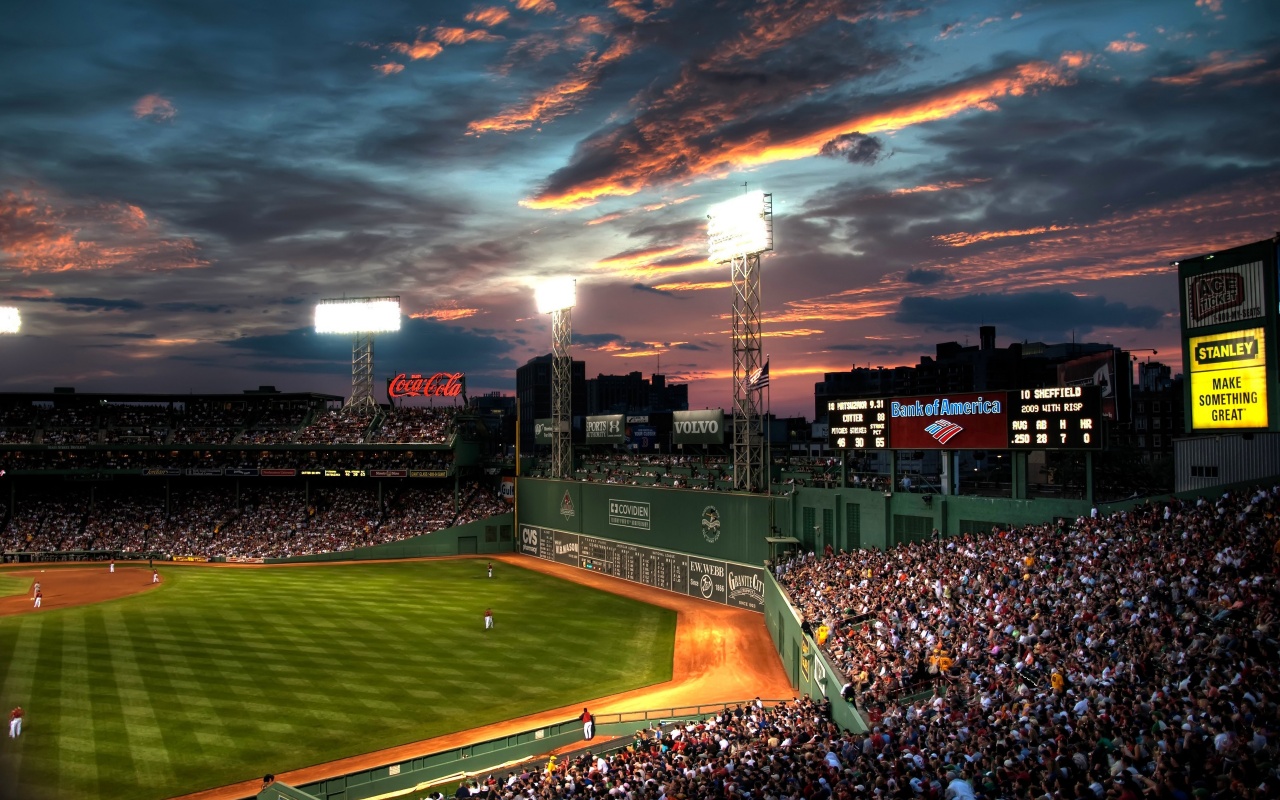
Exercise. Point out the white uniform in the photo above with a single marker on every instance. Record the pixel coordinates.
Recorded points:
(113, 567)
(488, 620)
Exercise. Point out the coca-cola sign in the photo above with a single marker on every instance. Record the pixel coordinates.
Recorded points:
(441, 384)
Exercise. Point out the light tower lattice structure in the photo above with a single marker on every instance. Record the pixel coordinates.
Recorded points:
(557, 297)
(739, 230)
(362, 317)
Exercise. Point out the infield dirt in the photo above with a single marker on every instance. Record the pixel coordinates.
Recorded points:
(63, 587)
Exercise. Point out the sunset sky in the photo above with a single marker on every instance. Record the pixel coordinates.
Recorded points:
(180, 182)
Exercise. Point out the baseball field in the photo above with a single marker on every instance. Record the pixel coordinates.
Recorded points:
(219, 675)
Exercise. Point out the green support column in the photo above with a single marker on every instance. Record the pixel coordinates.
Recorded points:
(1088, 477)
(1018, 475)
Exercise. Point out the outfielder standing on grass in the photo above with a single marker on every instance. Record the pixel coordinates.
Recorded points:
(15, 722)
(39, 596)
(488, 618)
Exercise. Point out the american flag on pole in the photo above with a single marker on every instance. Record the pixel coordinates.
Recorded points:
(759, 379)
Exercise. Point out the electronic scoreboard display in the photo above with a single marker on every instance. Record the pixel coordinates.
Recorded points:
(1051, 418)
(858, 424)
(1055, 418)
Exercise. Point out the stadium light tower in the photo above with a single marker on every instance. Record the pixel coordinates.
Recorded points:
(738, 231)
(557, 297)
(361, 317)
(10, 319)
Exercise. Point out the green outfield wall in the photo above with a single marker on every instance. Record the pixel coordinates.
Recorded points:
(492, 535)
(850, 519)
(719, 525)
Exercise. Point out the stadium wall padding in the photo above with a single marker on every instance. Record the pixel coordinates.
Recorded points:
(491, 535)
(807, 667)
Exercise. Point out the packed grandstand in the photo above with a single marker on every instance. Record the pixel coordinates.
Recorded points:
(1125, 656)
(1115, 655)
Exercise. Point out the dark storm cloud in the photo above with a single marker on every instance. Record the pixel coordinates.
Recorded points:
(856, 148)
(692, 346)
(640, 287)
(127, 335)
(195, 308)
(925, 277)
(1029, 313)
(594, 340)
(419, 344)
(93, 303)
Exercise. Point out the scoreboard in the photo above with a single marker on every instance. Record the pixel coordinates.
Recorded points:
(1055, 418)
(858, 424)
(1051, 418)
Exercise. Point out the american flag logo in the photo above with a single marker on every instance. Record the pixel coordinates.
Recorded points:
(943, 430)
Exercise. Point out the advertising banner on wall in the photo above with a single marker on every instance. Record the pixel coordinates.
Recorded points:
(711, 579)
(542, 430)
(1114, 381)
(698, 427)
(1229, 380)
(961, 421)
(1230, 294)
(605, 429)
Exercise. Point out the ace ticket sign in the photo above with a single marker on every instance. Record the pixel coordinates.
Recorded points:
(1229, 380)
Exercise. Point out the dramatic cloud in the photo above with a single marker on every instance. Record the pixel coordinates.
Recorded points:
(855, 148)
(655, 149)
(155, 107)
(1219, 65)
(1053, 314)
(42, 231)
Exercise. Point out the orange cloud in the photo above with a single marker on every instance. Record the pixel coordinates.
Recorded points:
(939, 187)
(155, 107)
(685, 286)
(663, 148)
(454, 36)
(965, 239)
(614, 217)
(490, 16)
(1218, 65)
(560, 99)
(389, 68)
(44, 232)
(643, 256)
(1136, 245)
(1212, 5)
(446, 314)
(1125, 46)
(536, 6)
(417, 49)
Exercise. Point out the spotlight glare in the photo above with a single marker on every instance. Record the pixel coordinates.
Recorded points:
(555, 294)
(358, 315)
(10, 319)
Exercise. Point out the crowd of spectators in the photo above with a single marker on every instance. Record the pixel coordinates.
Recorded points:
(417, 424)
(335, 427)
(1122, 655)
(124, 459)
(260, 521)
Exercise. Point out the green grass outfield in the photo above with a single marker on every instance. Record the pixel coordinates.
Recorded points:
(222, 675)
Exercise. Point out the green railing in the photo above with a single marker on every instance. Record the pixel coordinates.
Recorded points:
(429, 770)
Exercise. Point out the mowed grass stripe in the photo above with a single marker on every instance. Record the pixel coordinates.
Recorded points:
(141, 729)
(234, 673)
(21, 653)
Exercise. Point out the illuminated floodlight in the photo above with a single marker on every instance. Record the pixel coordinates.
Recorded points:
(10, 319)
(555, 294)
(358, 315)
(741, 226)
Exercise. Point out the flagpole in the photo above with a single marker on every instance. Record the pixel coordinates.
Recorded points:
(768, 442)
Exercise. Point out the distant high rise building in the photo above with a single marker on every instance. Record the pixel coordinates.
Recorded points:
(634, 394)
(533, 391)
(959, 368)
